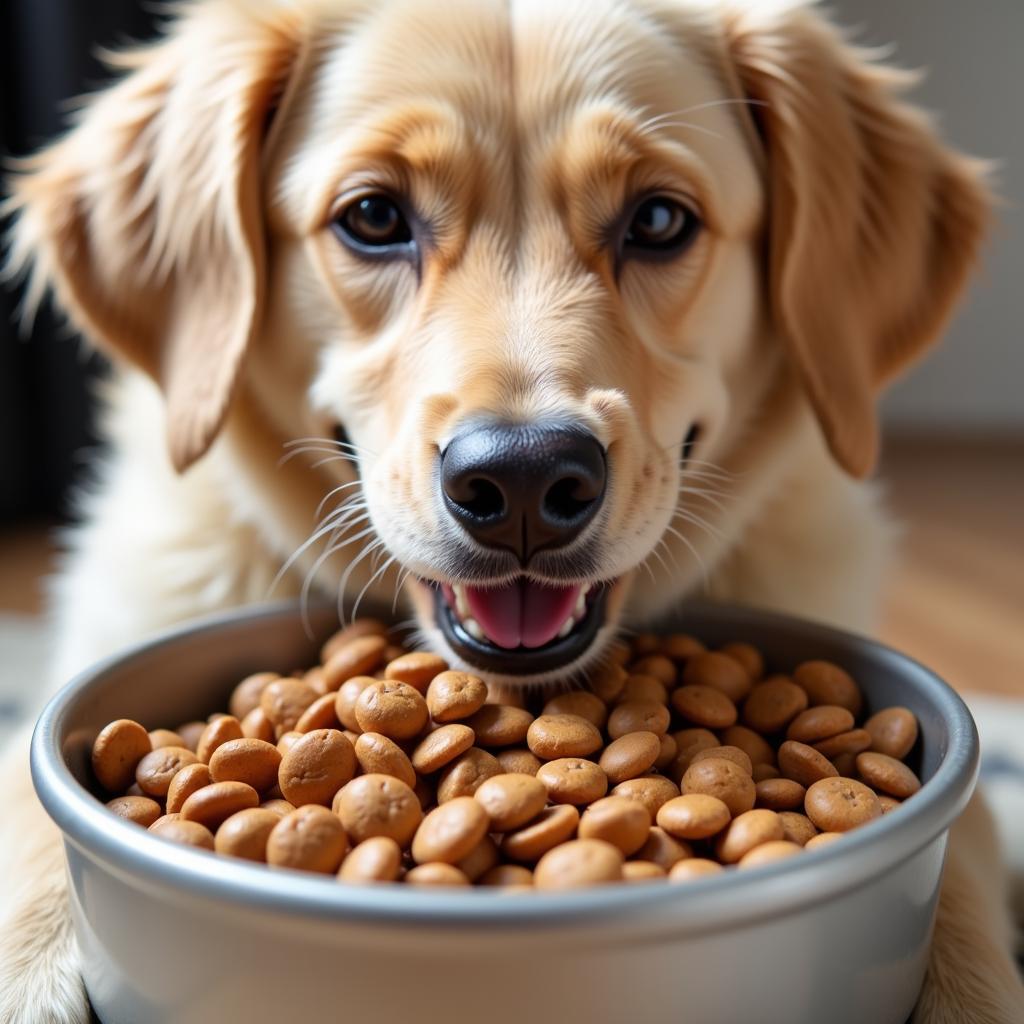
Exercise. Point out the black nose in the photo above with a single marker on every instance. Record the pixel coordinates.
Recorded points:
(523, 487)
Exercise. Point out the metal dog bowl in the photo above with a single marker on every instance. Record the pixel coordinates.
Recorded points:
(171, 934)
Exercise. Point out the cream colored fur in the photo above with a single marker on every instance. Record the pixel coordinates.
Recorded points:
(840, 230)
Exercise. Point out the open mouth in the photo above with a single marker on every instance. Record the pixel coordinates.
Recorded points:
(522, 627)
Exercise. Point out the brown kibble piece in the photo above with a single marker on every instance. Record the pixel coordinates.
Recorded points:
(643, 689)
(316, 767)
(442, 875)
(519, 760)
(579, 702)
(819, 723)
(704, 706)
(747, 831)
(893, 732)
(450, 832)
(345, 700)
(885, 773)
(309, 839)
(804, 764)
(825, 683)
(753, 744)
(580, 862)
(417, 669)
(505, 875)
(283, 701)
(643, 871)
(500, 725)
(659, 666)
(464, 775)
(188, 833)
(256, 726)
(185, 782)
(764, 771)
(680, 646)
(215, 803)
(650, 790)
(190, 733)
(280, 807)
(378, 805)
(849, 744)
(553, 736)
(693, 816)
(779, 794)
(358, 657)
(218, 732)
(662, 849)
(797, 827)
(573, 780)
(378, 859)
(165, 738)
(748, 656)
(255, 762)
(688, 743)
(138, 809)
(822, 839)
(511, 800)
(838, 804)
(246, 695)
(377, 754)
(717, 777)
(245, 834)
(453, 696)
(693, 868)
(116, 754)
(155, 771)
(480, 859)
(607, 682)
(552, 826)
(394, 709)
(630, 755)
(353, 631)
(319, 715)
(769, 853)
(888, 803)
(720, 672)
(734, 754)
(638, 716)
(773, 704)
(622, 822)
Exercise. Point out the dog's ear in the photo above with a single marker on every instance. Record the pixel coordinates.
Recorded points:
(873, 223)
(146, 218)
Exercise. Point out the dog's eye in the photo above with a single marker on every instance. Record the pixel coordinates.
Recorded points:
(660, 225)
(374, 223)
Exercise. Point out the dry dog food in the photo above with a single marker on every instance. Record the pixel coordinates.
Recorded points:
(383, 765)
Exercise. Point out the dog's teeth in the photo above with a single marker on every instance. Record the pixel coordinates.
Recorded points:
(585, 589)
(566, 628)
(581, 606)
(461, 604)
(472, 627)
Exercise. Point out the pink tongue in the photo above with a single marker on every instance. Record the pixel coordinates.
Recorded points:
(521, 613)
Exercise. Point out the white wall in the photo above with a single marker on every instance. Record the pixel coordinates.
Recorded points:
(973, 51)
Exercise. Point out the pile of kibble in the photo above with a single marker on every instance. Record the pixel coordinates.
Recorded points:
(382, 765)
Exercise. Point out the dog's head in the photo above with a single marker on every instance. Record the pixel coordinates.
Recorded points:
(542, 266)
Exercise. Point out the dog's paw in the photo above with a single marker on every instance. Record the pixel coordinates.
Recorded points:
(40, 982)
(971, 976)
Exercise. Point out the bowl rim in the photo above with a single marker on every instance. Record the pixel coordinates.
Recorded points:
(709, 904)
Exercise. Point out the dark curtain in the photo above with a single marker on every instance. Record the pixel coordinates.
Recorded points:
(48, 55)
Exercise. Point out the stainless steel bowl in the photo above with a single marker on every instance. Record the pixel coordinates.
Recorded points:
(169, 934)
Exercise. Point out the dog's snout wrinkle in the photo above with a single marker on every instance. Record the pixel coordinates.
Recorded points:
(523, 487)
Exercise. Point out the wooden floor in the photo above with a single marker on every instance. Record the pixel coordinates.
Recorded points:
(956, 596)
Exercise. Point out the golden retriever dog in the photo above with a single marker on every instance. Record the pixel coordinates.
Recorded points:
(576, 308)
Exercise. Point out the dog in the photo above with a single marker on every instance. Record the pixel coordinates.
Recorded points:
(565, 311)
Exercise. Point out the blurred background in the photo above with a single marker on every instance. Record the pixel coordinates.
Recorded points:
(954, 455)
